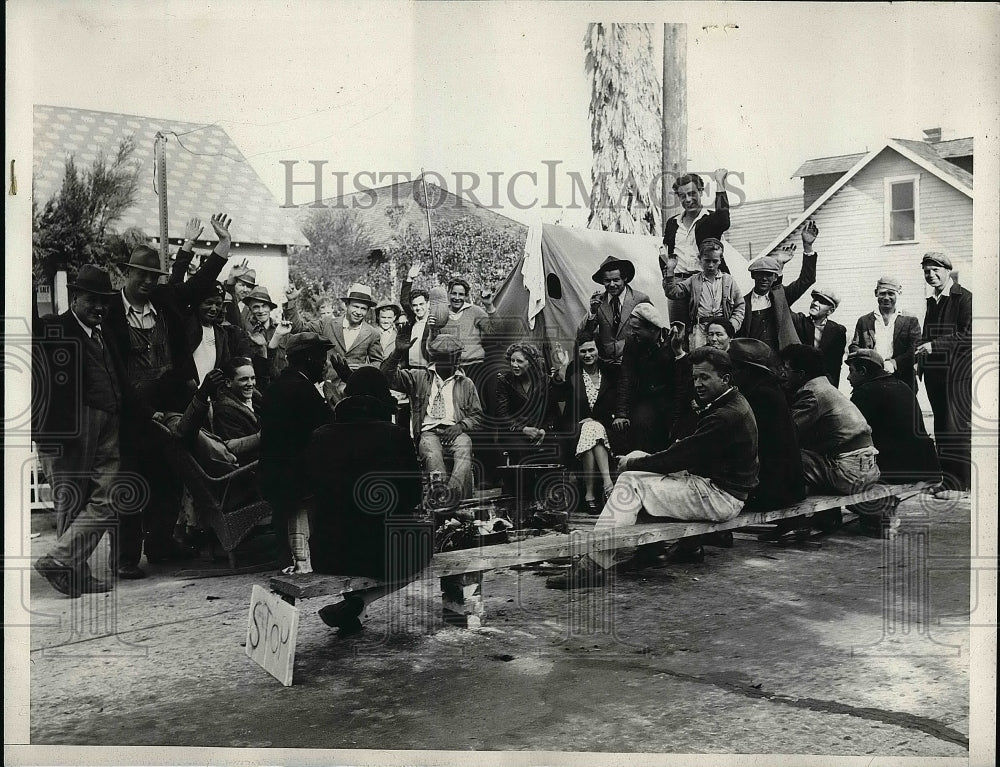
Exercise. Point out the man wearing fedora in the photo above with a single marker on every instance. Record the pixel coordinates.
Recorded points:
(351, 336)
(768, 315)
(816, 329)
(146, 326)
(292, 408)
(890, 332)
(267, 337)
(444, 409)
(80, 382)
(239, 284)
(944, 359)
(610, 309)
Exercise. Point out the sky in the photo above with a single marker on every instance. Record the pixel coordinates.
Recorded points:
(500, 88)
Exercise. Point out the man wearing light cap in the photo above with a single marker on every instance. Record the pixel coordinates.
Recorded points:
(890, 332)
(768, 314)
(444, 410)
(654, 386)
(816, 329)
(944, 359)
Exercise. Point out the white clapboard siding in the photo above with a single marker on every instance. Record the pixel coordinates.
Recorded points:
(852, 249)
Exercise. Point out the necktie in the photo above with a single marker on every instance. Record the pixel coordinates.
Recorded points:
(96, 335)
(437, 406)
(616, 311)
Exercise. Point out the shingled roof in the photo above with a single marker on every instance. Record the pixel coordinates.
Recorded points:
(208, 176)
(959, 147)
(444, 206)
(756, 223)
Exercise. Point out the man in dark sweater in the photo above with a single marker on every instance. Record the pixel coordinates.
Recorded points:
(944, 360)
(707, 475)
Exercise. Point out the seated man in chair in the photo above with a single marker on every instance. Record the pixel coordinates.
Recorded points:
(445, 408)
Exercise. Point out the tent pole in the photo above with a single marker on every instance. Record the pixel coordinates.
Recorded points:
(674, 112)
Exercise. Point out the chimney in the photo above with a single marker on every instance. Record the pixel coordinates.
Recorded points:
(932, 135)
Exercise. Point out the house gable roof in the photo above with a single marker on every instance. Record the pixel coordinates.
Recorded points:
(206, 173)
(756, 222)
(944, 170)
(959, 147)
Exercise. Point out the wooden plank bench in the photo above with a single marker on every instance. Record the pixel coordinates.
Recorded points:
(460, 572)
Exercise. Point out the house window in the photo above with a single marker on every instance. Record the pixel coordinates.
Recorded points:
(902, 215)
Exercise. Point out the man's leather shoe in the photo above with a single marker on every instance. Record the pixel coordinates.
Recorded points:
(343, 616)
(582, 575)
(90, 585)
(61, 577)
(130, 572)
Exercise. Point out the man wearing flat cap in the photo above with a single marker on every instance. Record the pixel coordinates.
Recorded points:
(816, 329)
(892, 333)
(292, 408)
(610, 309)
(80, 382)
(944, 359)
(146, 325)
(444, 409)
(768, 315)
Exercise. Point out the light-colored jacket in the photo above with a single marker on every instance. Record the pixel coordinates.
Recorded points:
(733, 305)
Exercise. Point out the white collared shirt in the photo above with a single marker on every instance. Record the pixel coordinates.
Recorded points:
(759, 302)
(447, 389)
(416, 355)
(945, 290)
(884, 332)
(140, 318)
(685, 246)
(204, 355)
(350, 334)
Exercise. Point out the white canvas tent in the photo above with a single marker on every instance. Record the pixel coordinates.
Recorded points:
(550, 287)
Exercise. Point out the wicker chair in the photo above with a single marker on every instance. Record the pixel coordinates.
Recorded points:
(212, 495)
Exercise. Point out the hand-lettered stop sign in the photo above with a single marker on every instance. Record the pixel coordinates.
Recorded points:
(272, 630)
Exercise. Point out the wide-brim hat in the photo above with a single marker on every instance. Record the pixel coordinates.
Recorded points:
(145, 259)
(752, 351)
(396, 309)
(93, 279)
(626, 267)
(249, 277)
(259, 293)
(304, 342)
(359, 292)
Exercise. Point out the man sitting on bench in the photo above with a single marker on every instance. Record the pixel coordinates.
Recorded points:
(704, 476)
(835, 440)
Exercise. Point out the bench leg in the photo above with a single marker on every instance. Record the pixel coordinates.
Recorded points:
(462, 600)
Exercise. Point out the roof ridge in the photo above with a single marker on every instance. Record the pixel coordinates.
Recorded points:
(129, 114)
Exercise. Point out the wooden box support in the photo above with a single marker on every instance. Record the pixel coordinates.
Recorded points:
(462, 600)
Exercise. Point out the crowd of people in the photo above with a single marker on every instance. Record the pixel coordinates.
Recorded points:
(360, 419)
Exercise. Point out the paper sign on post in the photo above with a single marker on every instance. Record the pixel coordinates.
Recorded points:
(272, 630)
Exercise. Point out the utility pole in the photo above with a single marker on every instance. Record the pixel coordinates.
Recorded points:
(160, 156)
(675, 119)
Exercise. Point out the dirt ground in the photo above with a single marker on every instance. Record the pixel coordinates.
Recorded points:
(844, 645)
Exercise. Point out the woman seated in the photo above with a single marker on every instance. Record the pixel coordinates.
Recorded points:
(526, 407)
(587, 386)
(363, 473)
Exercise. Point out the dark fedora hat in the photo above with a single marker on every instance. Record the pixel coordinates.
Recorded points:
(396, 309)
(751, 351)
(93, 279)
(304, 342)
(260, 293)
(145, 259)
(626, 267)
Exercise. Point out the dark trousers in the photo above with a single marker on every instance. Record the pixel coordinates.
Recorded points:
(951, 402)
(84, 479)
(142, 454)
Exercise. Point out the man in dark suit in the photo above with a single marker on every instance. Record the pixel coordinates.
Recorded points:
(817, 330)
(894, 335)
(236, 408)
(610, 310)
(292, 409)
(147, 327)
(79, 379)
(944, 358)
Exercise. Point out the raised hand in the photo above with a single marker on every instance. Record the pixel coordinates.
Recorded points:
(595, 301)
(720, 179)
(215, 379)
(809, 234)
(192, 229)
(221, 223)
(560, 356)
(414, 271)
(292, 292)
(669, 262)
(283, 328)
(785, 254)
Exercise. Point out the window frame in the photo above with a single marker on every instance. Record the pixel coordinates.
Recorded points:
(888, 183)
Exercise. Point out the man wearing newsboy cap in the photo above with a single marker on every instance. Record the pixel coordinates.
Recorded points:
(80, 384)
(944, 358)
(146, 326)
(892, 333)
(816, 329)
